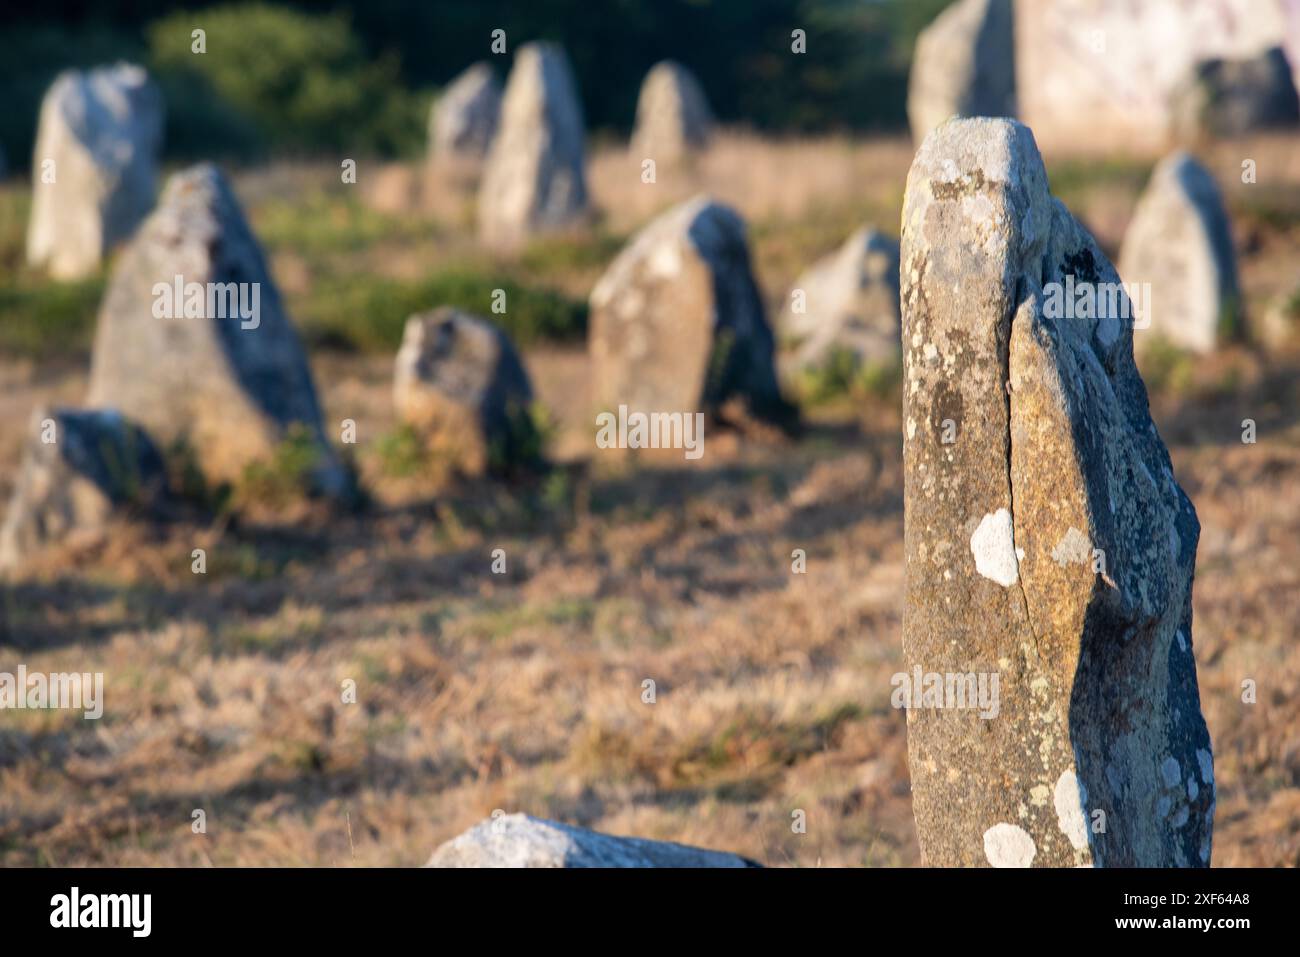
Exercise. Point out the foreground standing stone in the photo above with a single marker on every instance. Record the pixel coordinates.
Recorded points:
(219, 366)
(517, 840)
(677, 322)
(847, 301)
(964, 65)
(535, 180)
(1047, 542)
(459, 383)
(80, 468)
(95, 166)
(464, 118)
(673, 119)
(1180, 244)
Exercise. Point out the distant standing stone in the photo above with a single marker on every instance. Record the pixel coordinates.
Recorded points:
(219, 366)
(677, 323)
(1047, 543)
(1180, 243)
(464, 118)
(673, 119)
(1224, 98)
(460, 384)
(517, 840)
(847, 301)
(79, 469)
(95, 166)
(964, 65)
(535, 179)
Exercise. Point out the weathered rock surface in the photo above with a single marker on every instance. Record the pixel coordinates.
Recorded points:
(1047, 543)
(849, 302)
(535, 179)
(677, 322)
(464, 119)
(673, 119)
(1180, 243)
(517, 840)
(964, 65)
(1090, 83)
(1226, 98)
(80, 468)
(459, 383)
(98, 140)
(223, 371)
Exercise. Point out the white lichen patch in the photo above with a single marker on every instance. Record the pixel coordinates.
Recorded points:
(1074, 548)
(1207, 765)
(994, 548)
(1009, 845)
(1038, 794)
(1171, 772)
(1069, 799)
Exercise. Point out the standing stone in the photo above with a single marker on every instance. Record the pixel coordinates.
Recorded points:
(1225, 98)
(1179, 243)
(677, 322)
(98, 142)
(459, 383)
(673, 119)
(218, 367)
(1106, 76)
(849, 302)
(517, 840)
(1047, 544)
(535, 179)
(80, 468)
(464, 118)
(964, 65)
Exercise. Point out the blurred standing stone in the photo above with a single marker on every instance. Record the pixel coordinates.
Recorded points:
(517, 840)
(847, 301)
(1106, 76)
(1180, 243)
(464, 119)
(964, 65)
(79, 469)
(219, 368)
(677, 322)
(459, 384)
(1225, 98)
(535, 179)
(95, 166)
(673, 119)
(1046, 540)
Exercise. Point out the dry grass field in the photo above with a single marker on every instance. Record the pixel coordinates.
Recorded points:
(524, 691)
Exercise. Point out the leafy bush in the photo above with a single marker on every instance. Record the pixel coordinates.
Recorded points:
(297, 81)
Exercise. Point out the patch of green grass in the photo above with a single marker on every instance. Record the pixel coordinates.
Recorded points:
(1165, 367)
(321, 225)
(286, 476)
(368, 313)
(42, 318)
(1071, 179)
(842, 375)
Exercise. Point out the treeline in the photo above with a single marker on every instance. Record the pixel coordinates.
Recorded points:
(289, 78)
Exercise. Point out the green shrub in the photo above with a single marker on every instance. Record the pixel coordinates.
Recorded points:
(299, 82)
